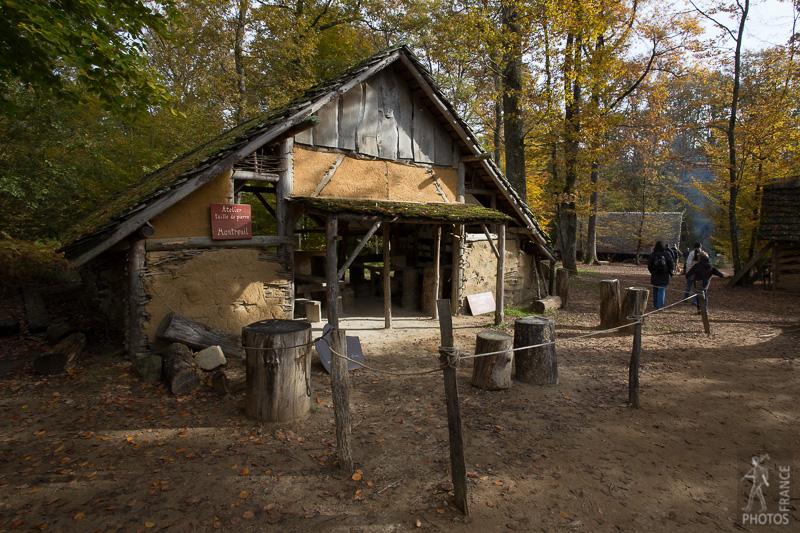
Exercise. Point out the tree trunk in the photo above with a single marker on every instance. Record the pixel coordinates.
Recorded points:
(513, 122)
(278, 370)
(492, 372)
(610, 304)
(175, 328)
(546, 304)
(568, 218)
(535, 365)
(562, 285)
(179, 369)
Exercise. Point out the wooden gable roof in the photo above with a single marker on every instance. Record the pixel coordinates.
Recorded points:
(780, 212)
(137, 205)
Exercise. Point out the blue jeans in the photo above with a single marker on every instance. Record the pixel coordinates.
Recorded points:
(689, 287)
(658, 296)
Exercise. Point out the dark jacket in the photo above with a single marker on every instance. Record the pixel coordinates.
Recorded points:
(703, 270)
(660, 279)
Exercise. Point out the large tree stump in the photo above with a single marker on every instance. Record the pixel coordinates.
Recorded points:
(562, 285)
(492, 372)
(62, 357)
(183, 377)
(278, 356)
(546, 304)
(630, 297)
(535, 365)
(610, 304)
(176, 328)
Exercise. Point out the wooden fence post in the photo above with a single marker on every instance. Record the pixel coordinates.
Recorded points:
(340, 390)
(610, 304)
(631, 298)
(633, 369)
(458, 467)
(535, 365)
(701, 300)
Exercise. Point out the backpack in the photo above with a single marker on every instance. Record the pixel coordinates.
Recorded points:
(660, 265)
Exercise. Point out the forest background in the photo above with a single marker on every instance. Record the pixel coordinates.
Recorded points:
(587, 105)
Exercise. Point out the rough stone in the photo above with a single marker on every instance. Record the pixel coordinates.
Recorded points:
(210, 358)
(148, 367)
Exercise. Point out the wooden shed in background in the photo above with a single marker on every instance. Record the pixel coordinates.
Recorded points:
(625, 234)
(780, 226)
(376, 148)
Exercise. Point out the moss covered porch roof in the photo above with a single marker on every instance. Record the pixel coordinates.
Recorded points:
(403, 211)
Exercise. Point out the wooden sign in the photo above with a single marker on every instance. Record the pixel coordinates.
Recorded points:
(231, 221)
(481, 303)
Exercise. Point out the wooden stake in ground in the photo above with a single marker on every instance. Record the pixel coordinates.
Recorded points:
(701, 300)
(535, 365)
(562, 286)
(492, 372)
(458, 467)
(340, 390)
(631, 298)
(633, 369)
(278, 370)
(610, 304)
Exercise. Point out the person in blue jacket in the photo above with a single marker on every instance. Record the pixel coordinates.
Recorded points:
(661, 266)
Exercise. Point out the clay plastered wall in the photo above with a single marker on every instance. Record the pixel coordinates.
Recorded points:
(227, 289)
(191, 216)
(480, 272)
(377, 180)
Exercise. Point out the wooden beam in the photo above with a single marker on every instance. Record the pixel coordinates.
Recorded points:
(328, 175)
(265, 204)
(330, 271)
(387, 278)
(491, 241)
(246, 175)
(499, 312)
(745, 269)
(437, 258)
(255, 189)
(358, 249)
(189, 243)
(477, 157)
(455, 298)
(136, 297)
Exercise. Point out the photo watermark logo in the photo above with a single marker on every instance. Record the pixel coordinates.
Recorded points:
(774, 479)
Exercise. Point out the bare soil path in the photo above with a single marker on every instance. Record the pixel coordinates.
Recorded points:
(97, 450)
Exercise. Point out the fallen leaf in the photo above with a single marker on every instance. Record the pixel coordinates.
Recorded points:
(489, 504)
(244, 495)
(149, 524)
(78, 516)
(418, 523)
(356, 477)
(248, 515)
(244, 471)
(563, 514)
(440, 511)
(192, 499)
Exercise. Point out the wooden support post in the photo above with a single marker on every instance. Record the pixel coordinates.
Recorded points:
(631, 298)
(387, 277)
(562, 286)
(535, 365)
(285, 221)
(458, 467)
(331, 274)
(458, 247)
(499, 311)
(610, 304)
(633, 369)
(701, 300)
(278, 370)
(136, 297)
(437, 257)
(493, 372)
(552, 279)
(340, 390)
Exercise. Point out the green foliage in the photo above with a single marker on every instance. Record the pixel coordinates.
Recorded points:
(49, 45)
(37, 262)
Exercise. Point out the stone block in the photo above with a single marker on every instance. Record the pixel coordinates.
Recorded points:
(210, 358)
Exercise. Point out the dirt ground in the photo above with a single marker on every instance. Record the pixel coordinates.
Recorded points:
(98, 450)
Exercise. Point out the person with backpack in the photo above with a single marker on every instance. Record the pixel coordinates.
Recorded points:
(702, 270)
(661, 266)
(691, 259)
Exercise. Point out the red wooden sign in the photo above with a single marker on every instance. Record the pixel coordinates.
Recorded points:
(231, 221)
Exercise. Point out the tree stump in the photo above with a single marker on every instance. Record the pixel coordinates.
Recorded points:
(562, 285)
(492, 372)
(535, 365)
(546, 304)
(229, 380)
(278, 354)
(610, 304)
(630, 296)
(62, 357)
(179, 369)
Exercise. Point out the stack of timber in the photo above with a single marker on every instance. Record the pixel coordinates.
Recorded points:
(63, 356)
(175, 328)
(179, 369)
